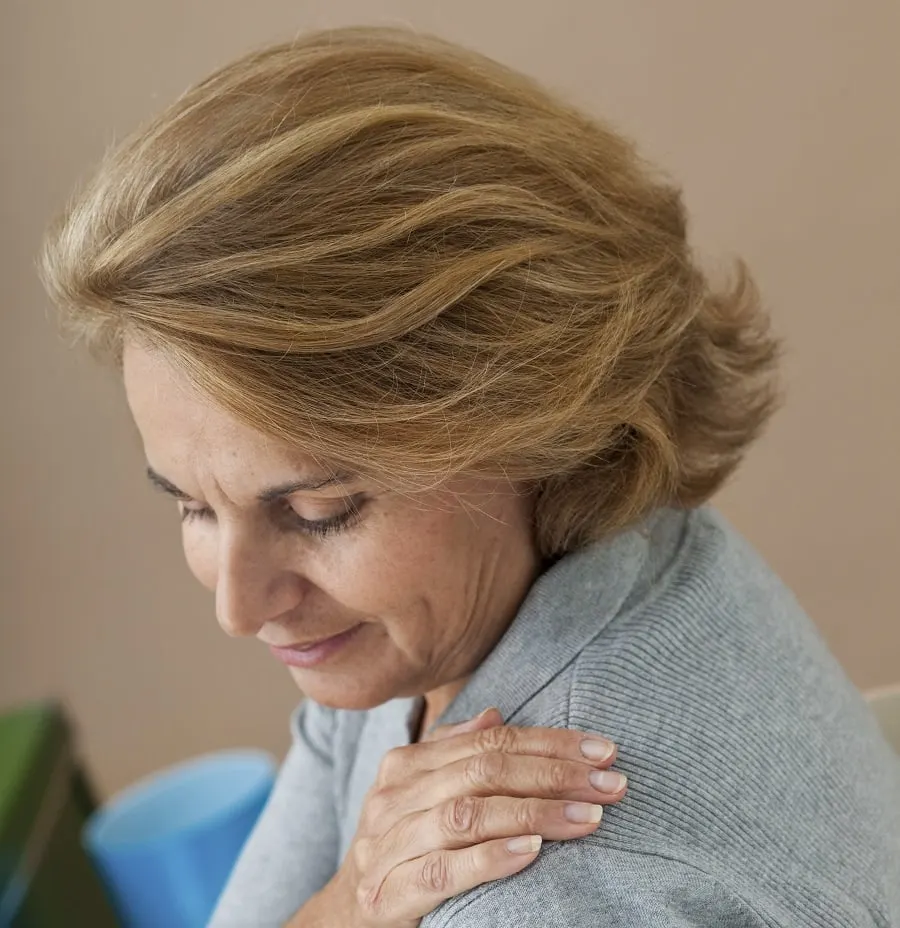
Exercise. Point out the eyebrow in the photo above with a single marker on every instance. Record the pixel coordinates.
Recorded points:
(265, 496)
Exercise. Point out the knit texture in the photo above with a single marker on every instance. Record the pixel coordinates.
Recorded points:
(760, 790)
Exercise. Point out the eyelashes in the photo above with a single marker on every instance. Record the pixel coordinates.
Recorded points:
(322, 528)
(290, 520)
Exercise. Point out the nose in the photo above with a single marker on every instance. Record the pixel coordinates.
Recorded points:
(253, 587)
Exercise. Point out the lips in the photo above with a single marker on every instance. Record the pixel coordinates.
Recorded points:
(316, 652)
(309, 644)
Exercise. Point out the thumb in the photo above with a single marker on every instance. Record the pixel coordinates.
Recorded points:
(489, 718)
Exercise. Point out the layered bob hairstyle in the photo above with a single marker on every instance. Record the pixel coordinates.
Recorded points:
(402, 257)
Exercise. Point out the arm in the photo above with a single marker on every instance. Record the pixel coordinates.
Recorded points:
(585, 883)
(293, 850)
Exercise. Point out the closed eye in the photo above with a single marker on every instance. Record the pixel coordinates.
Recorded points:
(276, 500)
(329, 525)
(289, 518)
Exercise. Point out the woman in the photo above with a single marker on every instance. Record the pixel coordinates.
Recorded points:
(422, 355)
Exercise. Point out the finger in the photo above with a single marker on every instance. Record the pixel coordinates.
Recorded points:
(416, 887)
(467, 820)
(519, 776)
(563, 743)
(400, 764)
(487, 718)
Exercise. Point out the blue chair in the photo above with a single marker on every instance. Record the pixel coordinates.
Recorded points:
(166, 846)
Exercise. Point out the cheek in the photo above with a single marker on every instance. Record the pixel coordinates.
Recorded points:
(374, 571)
(200, 551)
(396, 570)
(357, 573)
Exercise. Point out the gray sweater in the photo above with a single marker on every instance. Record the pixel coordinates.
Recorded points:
(761, 793)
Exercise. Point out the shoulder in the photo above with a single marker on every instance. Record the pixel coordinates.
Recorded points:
(710, 643)
(714, 620)
(578, 884)
(747, 750)
(757, 778)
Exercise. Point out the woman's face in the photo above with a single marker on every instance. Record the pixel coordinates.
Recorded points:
(423, 585)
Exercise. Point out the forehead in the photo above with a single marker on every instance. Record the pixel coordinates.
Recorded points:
(184, 430)
(163, 399)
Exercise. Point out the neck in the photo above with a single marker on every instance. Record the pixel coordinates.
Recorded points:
(436, 702)
(520, 573)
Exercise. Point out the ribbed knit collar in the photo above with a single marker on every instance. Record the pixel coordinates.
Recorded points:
(568, 606)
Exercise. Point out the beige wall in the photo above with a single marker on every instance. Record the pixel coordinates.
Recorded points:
(779, 116)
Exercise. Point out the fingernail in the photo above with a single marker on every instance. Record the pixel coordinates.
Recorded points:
(525, 845)
(597, 748)
(607, 781)
(581, 813)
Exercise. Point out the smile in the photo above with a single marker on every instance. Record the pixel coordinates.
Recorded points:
(315, 652)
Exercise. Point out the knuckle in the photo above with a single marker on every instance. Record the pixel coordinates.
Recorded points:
(558, 779)
(378, 813)
(363, 849)
(498, 740)
(527, 814)
(392, 765)
(434, 874)
(460, 816)
(484, 770)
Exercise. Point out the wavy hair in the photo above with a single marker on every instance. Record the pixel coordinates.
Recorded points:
(397, 254)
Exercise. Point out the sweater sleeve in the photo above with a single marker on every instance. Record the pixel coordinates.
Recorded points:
(293, 850)
(581, 884)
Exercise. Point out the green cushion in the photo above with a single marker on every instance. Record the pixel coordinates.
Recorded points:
(45, 876)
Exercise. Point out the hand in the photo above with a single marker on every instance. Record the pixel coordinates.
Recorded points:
(469, 805)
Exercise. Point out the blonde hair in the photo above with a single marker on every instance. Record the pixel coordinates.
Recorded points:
(392, 252)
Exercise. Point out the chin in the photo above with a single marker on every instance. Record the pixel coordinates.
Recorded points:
(336, 691)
